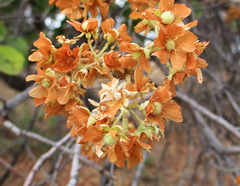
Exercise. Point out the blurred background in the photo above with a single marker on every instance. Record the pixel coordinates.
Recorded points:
(202, 150)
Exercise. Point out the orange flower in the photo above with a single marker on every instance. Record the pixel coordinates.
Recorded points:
(67, 60)
(173, 79)
(93, 6)
(46, 91)
(51, 2)
(147, 23)
(69, 7)
(141, 85)
(141, 5)
(137, 54)
(74, 11)
(161, 106)
(173, 43)
(172, 13)
(194, 63)
(68, 92)
(112, 34)
(237, 180)
(89, 151)
(44, 55)
(112, 98)
(112, 62)
(89, 25)
(54, 109)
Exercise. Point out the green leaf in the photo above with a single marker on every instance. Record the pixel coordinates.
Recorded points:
(18, 43)
(3, 31)
(11, 60)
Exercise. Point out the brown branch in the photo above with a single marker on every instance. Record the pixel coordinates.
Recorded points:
(11, 168)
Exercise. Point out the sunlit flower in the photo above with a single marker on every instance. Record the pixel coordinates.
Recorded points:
(44, 55)
(161, 106)
(66, 59)
(137, 54)
(173, 43)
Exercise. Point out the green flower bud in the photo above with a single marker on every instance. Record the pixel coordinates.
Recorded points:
(84, 25)
(142, 128)
(143, 105)
(157, 13)
(136, 55)
(157, 107)
(108, 139)
(91, 120)
(46, 82)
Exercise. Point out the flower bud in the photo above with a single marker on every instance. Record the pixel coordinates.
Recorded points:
(46, 82)
(108, 139)
(91, 120)
(142, 128)
(136, 55)
(157, 13)
(85, 25)
(143, 105)
(157, 107)
(167, 17)
(147, 53)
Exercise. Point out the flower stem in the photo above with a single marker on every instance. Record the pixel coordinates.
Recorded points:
(136, 116)
(125, 124)
(103, 50)
(156, 30)
(91, 48)
(119, 117)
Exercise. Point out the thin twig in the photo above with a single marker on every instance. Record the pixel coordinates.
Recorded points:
(233, 102)
(38, 137)
(43, 158)
(209, 114)
(9, 167)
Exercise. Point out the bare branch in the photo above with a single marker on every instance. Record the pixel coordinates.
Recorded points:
(76, 166)
(209, 114)
(43, 158)
(233, 102)
(139, 170)
(38, 137)
(8, 166)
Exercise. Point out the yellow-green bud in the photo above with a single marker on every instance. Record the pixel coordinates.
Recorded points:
(110, 38)
(142, 128)
(136, 55)
(46, 82)
(167, 17)
(143, 105)
(108, 139)
(84, 25)
(91, 120)
(150, 23)
(145, 21)
(157, 13)
(147, 53)
(157, 107)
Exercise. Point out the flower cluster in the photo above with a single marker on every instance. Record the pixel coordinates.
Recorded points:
(65, 73)
(76, 9)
